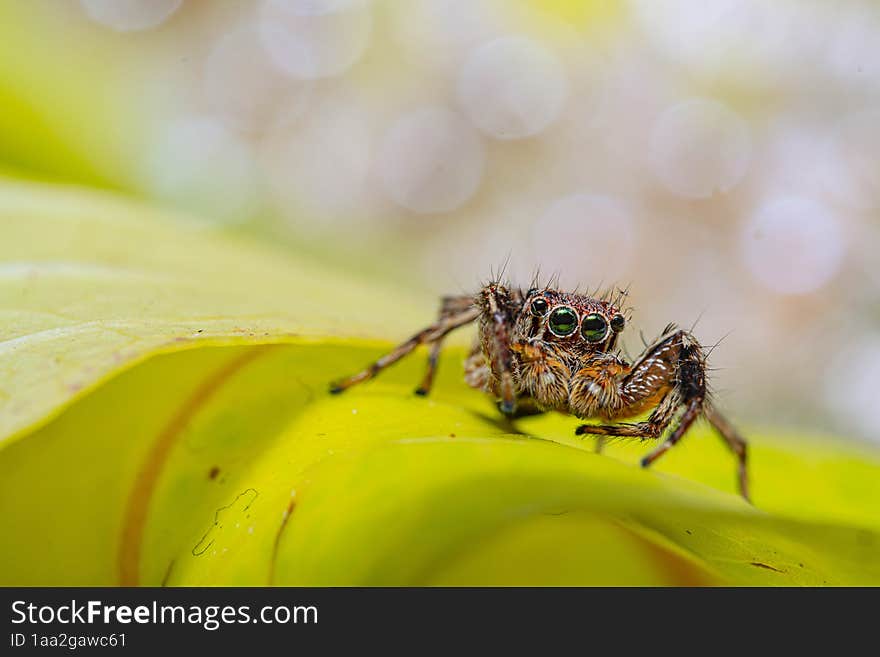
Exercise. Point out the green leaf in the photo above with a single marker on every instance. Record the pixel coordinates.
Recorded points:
(164, 419)
(89, 284)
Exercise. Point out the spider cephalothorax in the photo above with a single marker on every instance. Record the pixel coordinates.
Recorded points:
(544, 349)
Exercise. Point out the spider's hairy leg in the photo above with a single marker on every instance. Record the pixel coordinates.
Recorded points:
(691, 381)
(650, 383)
(735, 442)
(676, 368)
(476, 371)
(430, 334)
(690, 385)
(450, 306)
(653, 427)
(478, 375)
(495, 326)
(694, 408)
(433, 357)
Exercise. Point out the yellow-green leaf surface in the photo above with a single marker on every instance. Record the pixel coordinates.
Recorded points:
(89, 284)
(164, 419)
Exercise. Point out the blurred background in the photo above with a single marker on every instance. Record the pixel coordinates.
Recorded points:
(722, 158)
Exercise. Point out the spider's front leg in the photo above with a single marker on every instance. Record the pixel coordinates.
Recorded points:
(455, 312)
(670, 375)
(498, 307)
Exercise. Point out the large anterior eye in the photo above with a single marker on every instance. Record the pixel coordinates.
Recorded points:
(563, 321)
(594, 327)
(539, 307)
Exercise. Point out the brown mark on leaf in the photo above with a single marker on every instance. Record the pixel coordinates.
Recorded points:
(758, 564)
(167, 574)
(213, 472)
(137, 508)
(285, 518)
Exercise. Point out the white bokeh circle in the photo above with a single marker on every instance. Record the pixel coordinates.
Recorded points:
(439, 33)
(793, 245)
(699, 148)
(854, 178)
(243, 85)
(315, 39)
(431, 161)
(761, 43)
(512, 87)
(130, 15)
(318, 171)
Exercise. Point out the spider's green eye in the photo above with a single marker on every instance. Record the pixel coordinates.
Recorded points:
(563, 321)
(539, 307)
(594, 328)
(617, 323)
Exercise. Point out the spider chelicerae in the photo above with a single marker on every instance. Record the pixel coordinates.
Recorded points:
(544, 349)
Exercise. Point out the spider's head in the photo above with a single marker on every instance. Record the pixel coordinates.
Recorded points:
(571, 320)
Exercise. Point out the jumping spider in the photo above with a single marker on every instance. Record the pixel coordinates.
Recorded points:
(544, 349)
